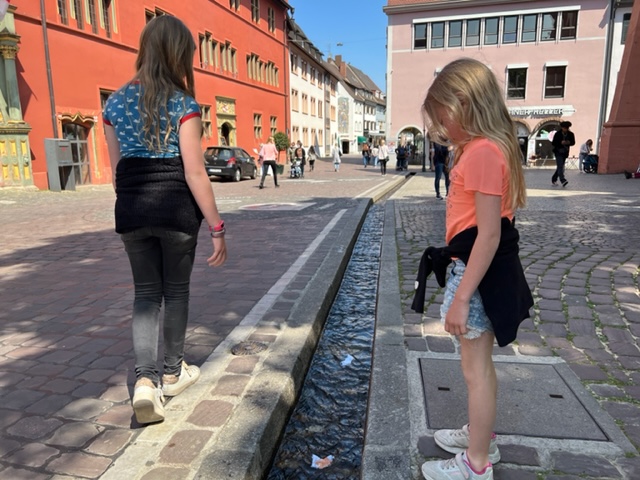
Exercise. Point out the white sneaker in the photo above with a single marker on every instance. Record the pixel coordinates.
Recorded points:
(147, 404)
(188, 376)
(457, 441)
(456, 468)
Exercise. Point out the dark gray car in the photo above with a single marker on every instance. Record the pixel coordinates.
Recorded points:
(229, 162)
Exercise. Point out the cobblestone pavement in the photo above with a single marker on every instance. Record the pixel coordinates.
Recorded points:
(579, 247)
(65, 349)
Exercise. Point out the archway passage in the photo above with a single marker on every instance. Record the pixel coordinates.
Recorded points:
(413, 139)
(543, 134)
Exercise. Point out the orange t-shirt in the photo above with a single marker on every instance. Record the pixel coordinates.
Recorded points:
(482, 168)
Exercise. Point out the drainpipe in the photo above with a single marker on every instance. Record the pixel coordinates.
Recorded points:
(613, 6)
(287, 71)
(52, 101)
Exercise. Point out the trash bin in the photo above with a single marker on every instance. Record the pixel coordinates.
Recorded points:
(60, 170)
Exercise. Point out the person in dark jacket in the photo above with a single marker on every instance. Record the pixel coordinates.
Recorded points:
(562, 141)
(440, 161)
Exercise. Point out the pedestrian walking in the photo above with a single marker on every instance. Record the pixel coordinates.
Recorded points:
(300, 157)
(365, 154)
(269, 156)
(384, 157)
(336, 154)
(486, 296)
(401, 158)
(312, 157)
(561, 142)
(153, 130)
(375, 154)
(440, 161)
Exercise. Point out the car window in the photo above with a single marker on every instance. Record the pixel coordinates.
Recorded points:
(245, 154)
(224, 153)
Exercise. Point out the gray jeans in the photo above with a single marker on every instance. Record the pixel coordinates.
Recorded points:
(559, 173)
(161, 262)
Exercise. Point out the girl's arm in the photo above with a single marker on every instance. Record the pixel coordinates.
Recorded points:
(113, 146)
(199, 183)
(482, 253)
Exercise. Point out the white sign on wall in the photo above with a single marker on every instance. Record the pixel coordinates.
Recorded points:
(544, 111)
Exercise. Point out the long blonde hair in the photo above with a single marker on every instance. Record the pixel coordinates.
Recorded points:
(469, 92)
(164, 66)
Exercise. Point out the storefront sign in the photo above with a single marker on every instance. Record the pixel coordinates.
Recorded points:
(540, 112)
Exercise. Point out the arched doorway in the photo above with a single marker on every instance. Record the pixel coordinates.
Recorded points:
(522, 132)
(225, 134)
(412, 138)
(543, 133)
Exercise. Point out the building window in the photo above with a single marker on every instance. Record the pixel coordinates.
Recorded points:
(319, 108)
(148, 16)
(305, 103)
(333, 113)
(295, 101)
(294, 64)
(234, 4)
(549, 26)
(626, 18)
(77, 12)
(273, 125)
(529, 28)
(313, 107)
(516, 83)
(491, 31)
(455, 34)
(569, 25)
(420, 35)
(437, 35)
(303, 68)
(257, 125)
(91, 10)
(205, 112)
(106, 16)
(473, 33)
(62, 11)
(510, 29)
(554, 82)
(255, 10)
(271, 16)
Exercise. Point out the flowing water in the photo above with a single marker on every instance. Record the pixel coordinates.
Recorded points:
(330, 416)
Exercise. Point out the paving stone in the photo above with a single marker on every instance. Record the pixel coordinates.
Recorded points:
(21, 399)
(8, 379)
(587, 342)
(413, 331)
(607, 390)
(84, 409)
(583, 465)
(589, 372)
(110, 442)
(211, 413)
(74, 434)
(630, 466)
(628, 413)
(33, 455)
(243, 365)
(117, 416)
(49, 404)
(415, 344)
(630, 363)
(536, 351)
(552, 329)
(116, 394)
(500, 472)
(12, 473)
(33, 427)
(166, 473)
(441, 344)
(184, 447)
(79, 464)
(428, 448)
(7, 446)
(581, 327)
(518, 454)
(552, 316)
(60, 385)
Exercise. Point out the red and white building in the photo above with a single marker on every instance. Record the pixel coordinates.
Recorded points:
(557, 59)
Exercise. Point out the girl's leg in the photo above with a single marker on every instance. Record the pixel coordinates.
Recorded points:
(145, 256)
(178, 253)
(480, 377)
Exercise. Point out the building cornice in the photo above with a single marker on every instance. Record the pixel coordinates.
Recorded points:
(449, 4)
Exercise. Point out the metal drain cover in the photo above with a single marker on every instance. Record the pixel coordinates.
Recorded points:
(534, 399)
(248, 348)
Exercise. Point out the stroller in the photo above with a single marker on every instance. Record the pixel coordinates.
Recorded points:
(296, 171)
(590, 164)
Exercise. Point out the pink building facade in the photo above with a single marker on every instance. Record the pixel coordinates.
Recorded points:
(554, 59)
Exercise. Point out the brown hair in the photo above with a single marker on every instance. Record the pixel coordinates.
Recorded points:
(164, 66)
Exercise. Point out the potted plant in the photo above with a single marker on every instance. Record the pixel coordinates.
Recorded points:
(282, 142)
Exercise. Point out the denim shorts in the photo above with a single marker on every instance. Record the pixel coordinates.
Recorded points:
(478, 322)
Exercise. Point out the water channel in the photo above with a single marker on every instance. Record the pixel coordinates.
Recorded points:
(329, 419)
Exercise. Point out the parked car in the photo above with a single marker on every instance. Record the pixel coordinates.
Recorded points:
(229, 162)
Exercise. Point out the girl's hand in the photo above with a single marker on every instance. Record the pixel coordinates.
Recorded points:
(219, 255)
(456, 321)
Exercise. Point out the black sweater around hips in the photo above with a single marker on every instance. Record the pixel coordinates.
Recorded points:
(153, 192)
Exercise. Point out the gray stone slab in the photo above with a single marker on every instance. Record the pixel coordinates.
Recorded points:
(533, 400)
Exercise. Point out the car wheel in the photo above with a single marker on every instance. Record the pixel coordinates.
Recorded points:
(254, 174)
(237, 176)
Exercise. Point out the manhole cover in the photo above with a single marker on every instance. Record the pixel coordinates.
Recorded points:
(533, 400)
(248, 348)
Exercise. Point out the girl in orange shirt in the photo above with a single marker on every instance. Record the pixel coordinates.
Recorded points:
(465, 107)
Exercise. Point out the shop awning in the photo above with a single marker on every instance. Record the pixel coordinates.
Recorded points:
(362, 139)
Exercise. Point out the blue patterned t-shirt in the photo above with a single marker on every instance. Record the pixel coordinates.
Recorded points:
(121, 112)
